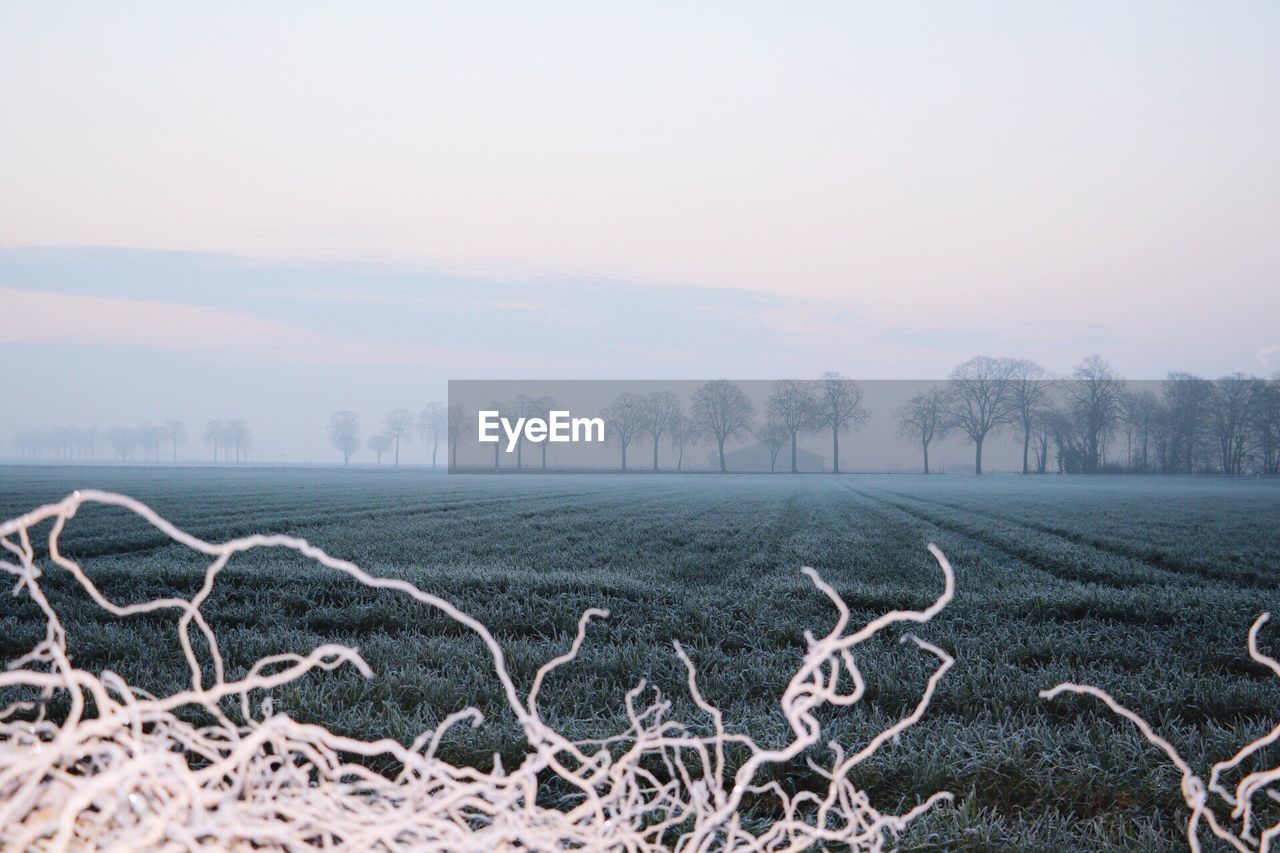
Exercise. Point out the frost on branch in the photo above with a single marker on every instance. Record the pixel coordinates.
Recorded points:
(125, 770)
(1241, 831)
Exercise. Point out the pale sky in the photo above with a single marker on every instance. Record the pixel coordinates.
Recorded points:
(883, 190)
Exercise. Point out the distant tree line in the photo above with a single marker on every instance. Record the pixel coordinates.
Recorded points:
(719, 412)
(430, 425)
(230, 436)
(1088, 423)
(1093, 423)
(634, 420)
(146, 443)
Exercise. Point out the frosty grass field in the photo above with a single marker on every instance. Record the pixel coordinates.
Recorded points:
(1142, 586)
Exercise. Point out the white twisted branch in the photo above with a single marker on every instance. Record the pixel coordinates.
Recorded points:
(127, 772)
(1240, 801)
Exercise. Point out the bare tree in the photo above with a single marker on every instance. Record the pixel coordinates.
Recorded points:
(175, 432)
(149, 437)
(433, 420)
(1066, 435)
(1264, 419)
(237, 436)
(981, 400)
(627, 417)
(662, 410)
(793, 404)
(1188, 400)
(773, 435)
(89, 441)
(1041, 432)
(839, 409)
(398, 423)
(1094, 396)
(722, 411)
(380, 444)
(923, 418)
(459, 427)
(1231, 399)
(1140, 411)
(523, 406)
(680, 435)
(503, 409)
(542, 408)
(213, 433)
(344, 433)
(1030, 389)
(57, 439)
(1164, 448)
(123, 440)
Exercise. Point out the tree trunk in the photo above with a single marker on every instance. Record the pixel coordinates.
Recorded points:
(346, 458)
(925, 445)
(453, 451)
(793, 452)
(435, 445)
(495, 455)
(655, 452)
(397, 451)
(720, 445)
(1026, 446)
(624, 457)
(680, 459)
(977, 456)
(519, 454)
(835, 451)
(544, 455)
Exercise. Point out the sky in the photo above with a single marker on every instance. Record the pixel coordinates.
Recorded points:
(275, 211)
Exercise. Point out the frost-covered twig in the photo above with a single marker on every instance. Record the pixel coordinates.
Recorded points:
(1243, 835)
(127, 771)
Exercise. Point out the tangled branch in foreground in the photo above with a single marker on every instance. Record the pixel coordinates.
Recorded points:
(125, 771)
(1195, 791)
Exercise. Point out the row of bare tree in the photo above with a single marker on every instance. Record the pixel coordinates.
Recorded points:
(1229, 425)
(1090, 424)
(429, 424)
(719, 412)
(1072, 425)
(127, 443)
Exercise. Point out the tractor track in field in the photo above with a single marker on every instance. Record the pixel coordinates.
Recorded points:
(1024, 557)
(93, 544)
(1039, 559)
(1116, 549)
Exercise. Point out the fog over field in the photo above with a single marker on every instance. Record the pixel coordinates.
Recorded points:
(260, 230)
(125, 339)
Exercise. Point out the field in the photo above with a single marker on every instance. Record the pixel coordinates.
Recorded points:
(1145, 587)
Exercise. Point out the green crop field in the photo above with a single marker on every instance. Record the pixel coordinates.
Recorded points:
(1143, 586)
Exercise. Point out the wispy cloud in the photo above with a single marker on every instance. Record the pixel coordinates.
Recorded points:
(69, 318)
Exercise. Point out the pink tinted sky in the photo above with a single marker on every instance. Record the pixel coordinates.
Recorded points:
(947, 174)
